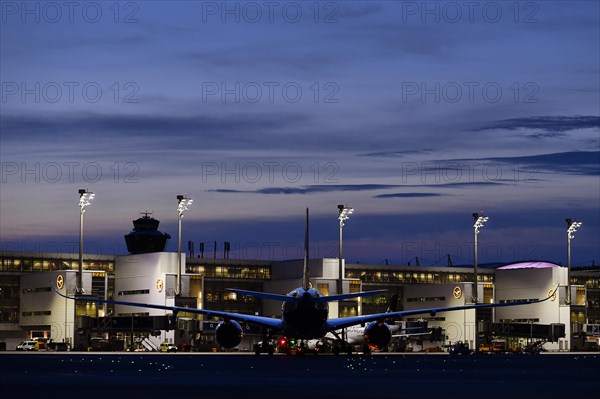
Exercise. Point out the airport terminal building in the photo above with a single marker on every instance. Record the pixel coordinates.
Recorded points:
(29, 309)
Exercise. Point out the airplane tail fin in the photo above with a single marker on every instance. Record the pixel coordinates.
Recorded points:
(393, 306)
(305, 279)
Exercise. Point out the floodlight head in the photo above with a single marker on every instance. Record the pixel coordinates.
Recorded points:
(479, 221)
(573, 226)
(345, 213)
(85, 198)
(182, 204)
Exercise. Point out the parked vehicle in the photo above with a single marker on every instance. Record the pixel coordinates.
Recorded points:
(28, 346)
(168, 347)
(58, 346)
(460, 348)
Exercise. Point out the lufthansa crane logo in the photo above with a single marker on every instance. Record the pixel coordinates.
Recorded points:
(60, 282)
(457, 292)
(159, 285)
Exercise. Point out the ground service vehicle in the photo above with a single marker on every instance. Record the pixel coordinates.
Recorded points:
(27, 346)
(167, 347)
(460, 348)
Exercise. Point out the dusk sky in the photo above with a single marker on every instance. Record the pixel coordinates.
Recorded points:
(416, 114)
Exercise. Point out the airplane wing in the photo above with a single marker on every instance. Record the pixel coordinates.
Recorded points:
(262, 321)
(343, 297)
(266, 295)
(406, 335)
(343, 322)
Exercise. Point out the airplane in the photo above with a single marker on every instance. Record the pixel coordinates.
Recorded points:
(355, 335)
(358, 336)
(304, 314)
(345, 339)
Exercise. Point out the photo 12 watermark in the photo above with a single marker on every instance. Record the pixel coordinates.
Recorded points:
(69, 172)
(453, 12)
(263, 250)
(470, 92)
(71, 92)
(70, 12)
(270, 92)
(270, 172)
(254, 12)
(457, 172)
(449, 253)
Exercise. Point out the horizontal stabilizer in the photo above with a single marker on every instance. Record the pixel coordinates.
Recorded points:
(266, 295)
(342, 297)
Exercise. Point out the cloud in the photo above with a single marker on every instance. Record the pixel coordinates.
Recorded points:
(398, 154)
(575, 163)
(409, 195)
(140, 124)
(471, 184)
(323, 188)
(157, 131)
(552, 125)
(319, 188)
(585, 163)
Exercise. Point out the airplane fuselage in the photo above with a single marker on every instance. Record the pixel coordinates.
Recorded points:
(355, 335)
(306, 318)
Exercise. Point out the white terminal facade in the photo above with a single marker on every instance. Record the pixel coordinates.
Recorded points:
(30, 309)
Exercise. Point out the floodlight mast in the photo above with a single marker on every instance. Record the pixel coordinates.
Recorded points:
(183, 204)
(85, 199)
(572, 226)
(344, 214)
(479, 219)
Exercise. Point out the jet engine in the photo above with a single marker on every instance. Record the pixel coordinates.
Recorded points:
(377, 335)
(229, 333)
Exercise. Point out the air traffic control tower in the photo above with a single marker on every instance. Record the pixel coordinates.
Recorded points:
(145, 236)
(148, 273)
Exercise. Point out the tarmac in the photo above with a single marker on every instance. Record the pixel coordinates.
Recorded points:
(243, 375)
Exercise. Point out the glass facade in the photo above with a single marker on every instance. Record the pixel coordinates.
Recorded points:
(414, 277)
(26, 263)
(217, 297)
(591, 281)
(230, 271)
(9, 299)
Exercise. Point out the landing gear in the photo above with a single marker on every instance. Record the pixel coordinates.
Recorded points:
(265, 346)
(341, 347)
(366, 349)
